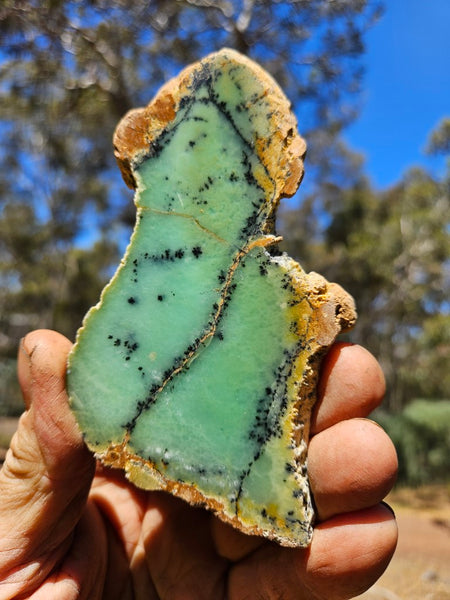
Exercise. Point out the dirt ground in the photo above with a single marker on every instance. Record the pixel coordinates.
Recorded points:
(420, 569)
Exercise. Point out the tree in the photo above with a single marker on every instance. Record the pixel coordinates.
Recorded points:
(70, 70)
(391, 251)
(439, 140)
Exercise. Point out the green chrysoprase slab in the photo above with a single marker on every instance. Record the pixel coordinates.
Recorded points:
(196, 371)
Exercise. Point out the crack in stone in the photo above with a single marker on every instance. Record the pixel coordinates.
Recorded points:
(186, 216)
(194, 348)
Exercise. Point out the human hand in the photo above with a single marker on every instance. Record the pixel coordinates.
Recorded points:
(68, 534)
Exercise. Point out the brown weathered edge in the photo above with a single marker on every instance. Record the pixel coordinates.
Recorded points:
(283, 158)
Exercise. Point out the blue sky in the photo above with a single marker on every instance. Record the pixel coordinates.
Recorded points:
(406, 90)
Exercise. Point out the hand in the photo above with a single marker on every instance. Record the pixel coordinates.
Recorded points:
(69, 530)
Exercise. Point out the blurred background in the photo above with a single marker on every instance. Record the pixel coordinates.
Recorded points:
(370, 85)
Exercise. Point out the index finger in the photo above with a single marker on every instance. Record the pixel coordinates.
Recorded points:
(351, 384)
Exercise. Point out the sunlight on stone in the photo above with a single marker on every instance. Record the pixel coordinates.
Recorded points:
(196, 372)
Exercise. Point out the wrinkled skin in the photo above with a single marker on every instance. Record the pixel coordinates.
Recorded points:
(69, 530)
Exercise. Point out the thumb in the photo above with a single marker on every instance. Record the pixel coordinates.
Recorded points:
(47, 473)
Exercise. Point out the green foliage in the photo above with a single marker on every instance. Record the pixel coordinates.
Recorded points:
(70, 70)
(421, 434)
(391, 250)
(439, 140)
(11, 403)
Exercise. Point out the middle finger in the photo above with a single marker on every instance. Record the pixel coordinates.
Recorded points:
(352, 465)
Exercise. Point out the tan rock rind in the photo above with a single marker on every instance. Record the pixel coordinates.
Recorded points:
(279, 147)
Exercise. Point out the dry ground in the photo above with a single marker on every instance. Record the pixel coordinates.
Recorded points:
(420, 569)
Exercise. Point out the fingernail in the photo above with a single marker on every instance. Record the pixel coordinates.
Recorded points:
(369, 420)
(24, 370)
(390, 509)
(24, 346)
